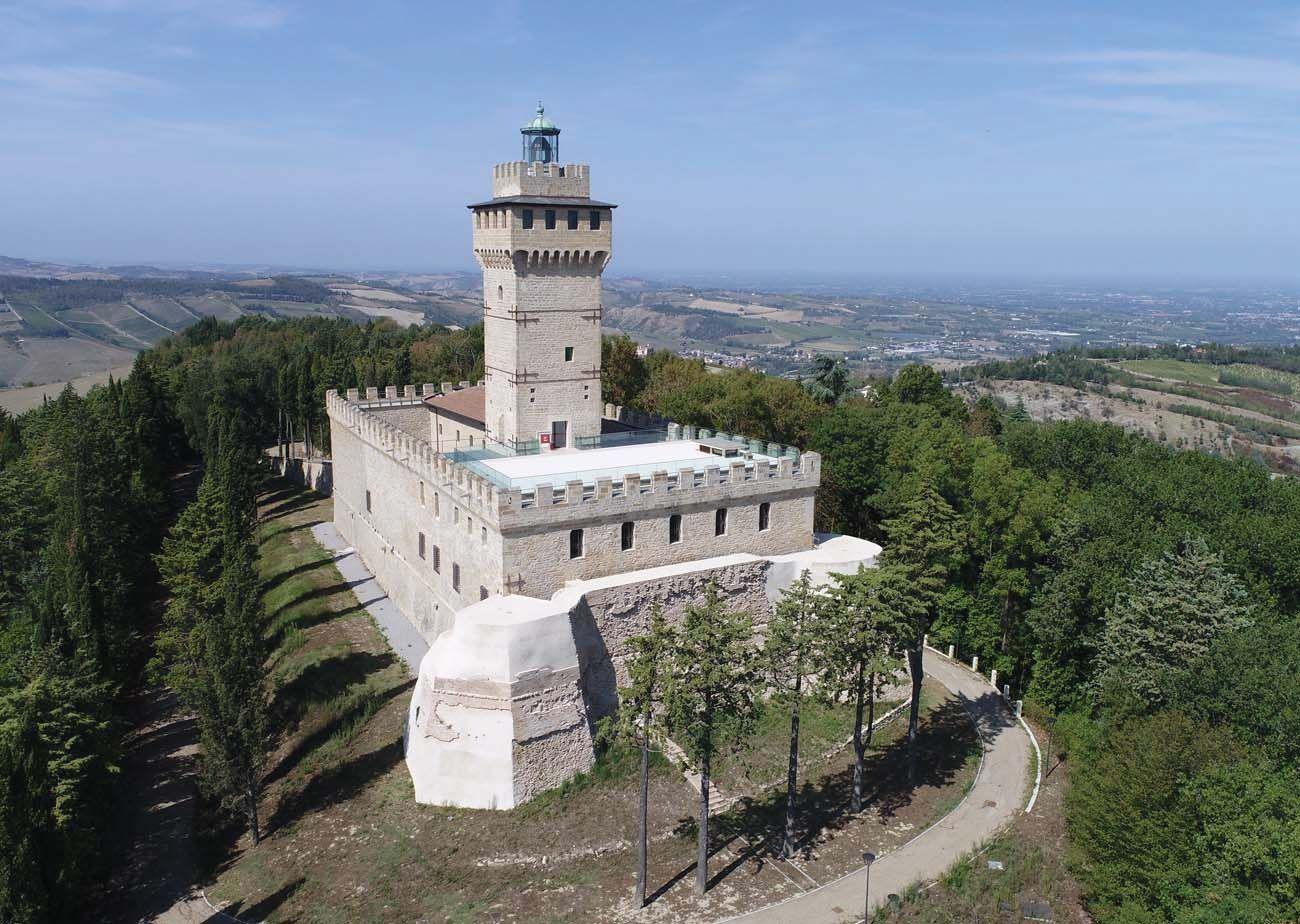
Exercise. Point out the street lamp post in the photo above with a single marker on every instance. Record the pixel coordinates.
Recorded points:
(867, 859)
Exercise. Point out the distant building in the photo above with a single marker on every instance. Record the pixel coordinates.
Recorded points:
(525, 528)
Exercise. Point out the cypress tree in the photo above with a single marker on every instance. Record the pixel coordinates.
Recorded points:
(715, 679)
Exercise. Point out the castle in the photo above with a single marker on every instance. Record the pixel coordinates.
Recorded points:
(526, 528)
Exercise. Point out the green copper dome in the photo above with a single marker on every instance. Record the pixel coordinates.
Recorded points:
(540, 124)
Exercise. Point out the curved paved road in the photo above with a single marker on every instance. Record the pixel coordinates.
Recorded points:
(994, 800)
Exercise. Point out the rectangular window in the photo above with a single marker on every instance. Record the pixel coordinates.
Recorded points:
(436, 514)
(720, 522)
(573, 219)
(437, 560)
(575, 543)
(595, 219)
(455, 577)
(483, 534)
(568, 354)
(421, 545)
(674, 528)
(368, 502)
(482, 592)
(528, 219)
(764, 517)
(550, 219)
(455, 514)
(629, 533)
(421, 493)
(469, 524)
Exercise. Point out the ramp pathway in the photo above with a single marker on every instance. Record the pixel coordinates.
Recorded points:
(994, 800)
(402, 637)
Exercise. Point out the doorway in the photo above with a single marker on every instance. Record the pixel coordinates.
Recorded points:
(559, 434)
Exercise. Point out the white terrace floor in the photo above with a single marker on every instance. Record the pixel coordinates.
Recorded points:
(613, 462)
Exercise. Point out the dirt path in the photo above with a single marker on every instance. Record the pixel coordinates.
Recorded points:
(155, 879)
(994, 801)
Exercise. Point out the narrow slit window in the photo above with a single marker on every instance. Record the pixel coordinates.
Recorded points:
(455, 577)
(720, 522)
(368, 510)
(437, 560)
(421, 545)
(628, 536)
(575, 543)
(674, 528)
(764, 517)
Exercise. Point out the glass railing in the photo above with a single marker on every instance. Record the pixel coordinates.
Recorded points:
(623, 438)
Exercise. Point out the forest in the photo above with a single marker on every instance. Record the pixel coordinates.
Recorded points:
(1143, 601)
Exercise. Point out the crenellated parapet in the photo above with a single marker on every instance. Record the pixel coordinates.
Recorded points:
(519, 178)
(609, 498)
(355, 412)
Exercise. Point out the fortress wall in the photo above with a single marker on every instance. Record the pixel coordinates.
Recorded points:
(537, 557)
(402, 505)
(411, 419)
(605, 619)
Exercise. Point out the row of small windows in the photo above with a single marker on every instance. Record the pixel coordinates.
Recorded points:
(433, 553)
(549, 217)
(500, 218)
(434, 556)
(627, 532)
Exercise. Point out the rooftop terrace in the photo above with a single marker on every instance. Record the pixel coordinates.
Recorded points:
(613, 462)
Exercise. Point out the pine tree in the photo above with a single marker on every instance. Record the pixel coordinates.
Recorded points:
(926, 543)
(1166, 616)
(788, 656)
(715, 680)
(866, 629)
(640, 714)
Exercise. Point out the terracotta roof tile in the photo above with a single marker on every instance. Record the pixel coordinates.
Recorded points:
(465, 404)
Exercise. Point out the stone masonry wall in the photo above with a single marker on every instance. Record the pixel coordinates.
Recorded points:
(605, 619)
(412, 419)
(402, 505)
(537, 560)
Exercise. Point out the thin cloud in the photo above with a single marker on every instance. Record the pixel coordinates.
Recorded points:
(76, 82)
(1153, 67)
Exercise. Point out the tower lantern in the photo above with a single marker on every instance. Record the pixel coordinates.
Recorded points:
(541, 138)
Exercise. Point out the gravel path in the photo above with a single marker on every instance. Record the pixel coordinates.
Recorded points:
(402, 636)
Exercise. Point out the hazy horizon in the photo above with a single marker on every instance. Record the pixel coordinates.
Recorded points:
(1069, 142)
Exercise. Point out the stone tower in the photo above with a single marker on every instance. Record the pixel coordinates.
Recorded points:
(542, 242)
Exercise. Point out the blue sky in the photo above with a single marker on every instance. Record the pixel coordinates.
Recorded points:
(1037, 138)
